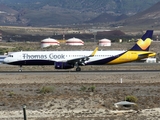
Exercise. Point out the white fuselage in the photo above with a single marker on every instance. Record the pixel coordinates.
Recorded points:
(58, 56)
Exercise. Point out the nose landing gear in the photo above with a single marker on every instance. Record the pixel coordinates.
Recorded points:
(20, 69)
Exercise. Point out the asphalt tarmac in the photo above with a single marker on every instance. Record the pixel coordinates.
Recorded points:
(82, 72)
(109, 71)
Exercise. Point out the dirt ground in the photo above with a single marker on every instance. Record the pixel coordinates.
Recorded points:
(70, 95)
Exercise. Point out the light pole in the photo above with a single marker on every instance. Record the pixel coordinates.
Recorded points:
(95, 33)
(24, 112)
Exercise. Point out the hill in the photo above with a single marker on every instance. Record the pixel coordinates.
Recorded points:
(66, 12)
(149, 18)
(107, 18)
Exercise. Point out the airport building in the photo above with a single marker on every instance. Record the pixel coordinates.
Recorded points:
(74, 41)
(49, 42)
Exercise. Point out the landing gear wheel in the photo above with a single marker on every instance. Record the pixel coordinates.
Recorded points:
(20, 69)
(78, 69)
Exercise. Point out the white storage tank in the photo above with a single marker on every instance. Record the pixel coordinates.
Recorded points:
(74, 41)
(104, 42)
(49, 42)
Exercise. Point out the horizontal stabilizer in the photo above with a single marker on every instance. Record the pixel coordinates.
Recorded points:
(145, 55)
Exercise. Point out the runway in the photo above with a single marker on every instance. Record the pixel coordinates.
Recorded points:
(82, 72)
(144, 73)
(127, 68)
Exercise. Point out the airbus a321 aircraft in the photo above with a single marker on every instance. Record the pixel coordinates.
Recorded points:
(70, 59)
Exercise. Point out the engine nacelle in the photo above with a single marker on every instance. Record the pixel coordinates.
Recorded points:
(63, 65)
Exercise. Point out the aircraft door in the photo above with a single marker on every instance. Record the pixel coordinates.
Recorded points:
(19, 57)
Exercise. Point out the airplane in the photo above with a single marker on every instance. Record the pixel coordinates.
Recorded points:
(70, 59)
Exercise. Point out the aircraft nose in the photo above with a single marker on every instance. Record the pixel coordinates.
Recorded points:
(5, 60)
(2, 59)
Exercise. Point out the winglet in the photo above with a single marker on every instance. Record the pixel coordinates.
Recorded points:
(94, 52)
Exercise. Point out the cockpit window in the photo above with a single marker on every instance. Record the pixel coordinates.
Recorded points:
(10, 55)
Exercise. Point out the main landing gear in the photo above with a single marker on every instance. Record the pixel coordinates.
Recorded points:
(78, 69)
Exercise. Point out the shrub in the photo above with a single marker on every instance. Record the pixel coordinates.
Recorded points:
(88, 89)
(11, 94)
(92, 88)
(131, 98)
(47, 89)
(83, 88)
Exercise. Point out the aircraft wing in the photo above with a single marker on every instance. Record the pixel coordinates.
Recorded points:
(81, 60)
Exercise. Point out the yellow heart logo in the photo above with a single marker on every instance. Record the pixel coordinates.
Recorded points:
(144, 44)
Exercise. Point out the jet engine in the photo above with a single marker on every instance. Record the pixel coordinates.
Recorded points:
(63, 65)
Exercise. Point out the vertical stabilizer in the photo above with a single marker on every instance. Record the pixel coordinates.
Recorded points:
(144, 43)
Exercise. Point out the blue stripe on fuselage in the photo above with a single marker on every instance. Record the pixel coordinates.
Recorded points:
(105, 60)
(33, 62)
